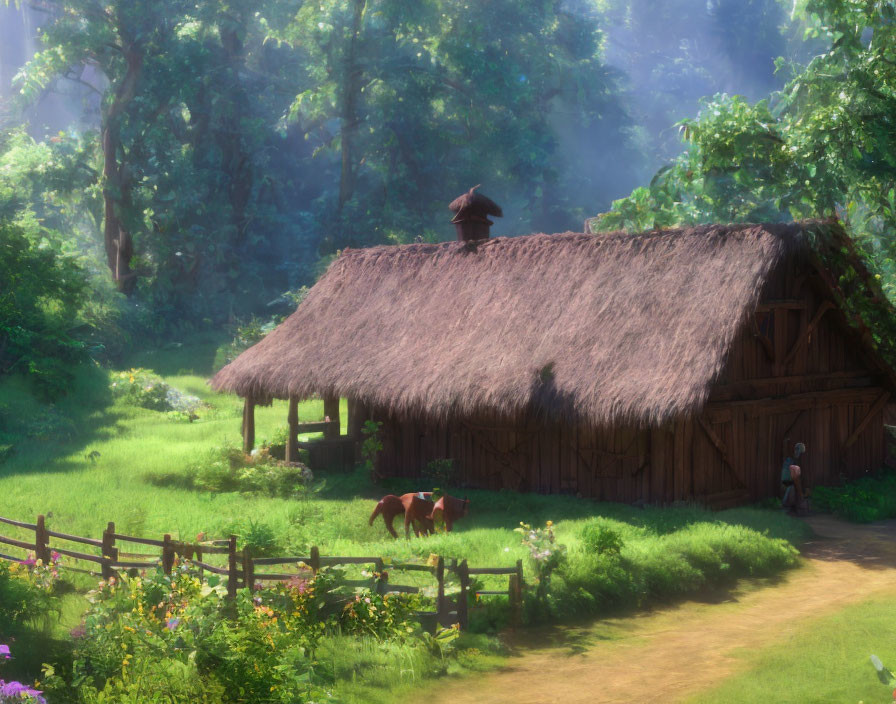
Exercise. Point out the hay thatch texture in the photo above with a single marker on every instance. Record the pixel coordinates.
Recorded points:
(583, 328)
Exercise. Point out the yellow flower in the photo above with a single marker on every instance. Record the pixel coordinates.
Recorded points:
(549, 524)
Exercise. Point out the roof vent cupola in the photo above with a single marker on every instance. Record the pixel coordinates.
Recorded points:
(471, 211)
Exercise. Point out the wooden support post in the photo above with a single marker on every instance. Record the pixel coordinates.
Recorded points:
(356, 416)
(167, 554)
(110, 552)
(231, 567)
(248, 569)
(441, 606)
(41, 541)
(248, 425)
(331, 411)
(292, 439)
(463, 572)
(315, 560)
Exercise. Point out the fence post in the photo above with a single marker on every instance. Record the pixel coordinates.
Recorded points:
(41, 541)
(382, 583)
(109, 551)
(315, 560)
(464, 574)
(515, 593)
(441, 610)
(231, 567)
(248, 569)
(167, 554)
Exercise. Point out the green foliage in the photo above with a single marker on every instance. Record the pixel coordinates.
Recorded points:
(546, 556)
(871, 498)
(27, 592)
(601, 539)
(39, 301)
(372, 445)
(141, 387)
(658, 563)
(381, 616)
(442, 473)
(821, 147)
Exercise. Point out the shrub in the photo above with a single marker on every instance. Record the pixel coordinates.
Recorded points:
(870, 498)
(40, 298)
(442, 473)
(546, 556)
(27, 591)
(141, 387)
(371, 445)
(227, 468)
(382, 616)
(601, 539)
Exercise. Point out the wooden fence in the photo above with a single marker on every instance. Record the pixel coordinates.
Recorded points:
(244, 570)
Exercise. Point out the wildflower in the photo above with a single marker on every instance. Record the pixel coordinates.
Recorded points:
(367, 599)
(549, 524)
(78, 631)
(17, 690)
(4, 652)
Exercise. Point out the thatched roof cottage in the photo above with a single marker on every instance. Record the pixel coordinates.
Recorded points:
(670, 365)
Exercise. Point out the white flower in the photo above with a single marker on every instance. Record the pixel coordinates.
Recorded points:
(506, 549)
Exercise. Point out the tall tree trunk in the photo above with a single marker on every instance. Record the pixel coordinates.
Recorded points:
(117, 182)
(236, 161)
(351, 91)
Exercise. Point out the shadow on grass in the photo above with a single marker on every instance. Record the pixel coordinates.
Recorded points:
(40, 433)
(196, 356)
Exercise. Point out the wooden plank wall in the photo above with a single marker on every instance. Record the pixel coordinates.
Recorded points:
(818, 393)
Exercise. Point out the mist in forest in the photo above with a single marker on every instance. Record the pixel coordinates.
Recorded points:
(252, 142)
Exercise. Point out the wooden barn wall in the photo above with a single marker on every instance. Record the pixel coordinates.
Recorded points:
(797, 371)
(621, 464)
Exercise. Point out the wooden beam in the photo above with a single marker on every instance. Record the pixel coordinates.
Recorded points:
(766, 343)
(793, 398)
(714, 439)
(292, 419)
(767, 385)
(331, 411)
(810, 328)
(788, 303)
(248, 425)
(875, 408)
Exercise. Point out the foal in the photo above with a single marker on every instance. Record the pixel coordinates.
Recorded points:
(451, 509)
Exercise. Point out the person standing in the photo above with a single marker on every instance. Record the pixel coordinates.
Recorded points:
(791, 477)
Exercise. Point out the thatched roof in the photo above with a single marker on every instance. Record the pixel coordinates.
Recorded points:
(591, 328)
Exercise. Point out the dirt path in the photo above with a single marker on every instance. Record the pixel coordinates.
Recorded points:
(692, 646)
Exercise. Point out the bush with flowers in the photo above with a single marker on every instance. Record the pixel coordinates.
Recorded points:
(27, 590)
(382, 616)
(14, 692)
(141, 387)
(177, 635)
(546, 556)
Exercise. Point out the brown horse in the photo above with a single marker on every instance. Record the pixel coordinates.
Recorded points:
(451, 509)
(417, 508)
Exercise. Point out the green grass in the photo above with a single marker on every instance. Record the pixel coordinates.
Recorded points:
(91, 459)
(824, 660)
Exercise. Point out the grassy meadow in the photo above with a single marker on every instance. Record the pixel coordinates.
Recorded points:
(92, 458)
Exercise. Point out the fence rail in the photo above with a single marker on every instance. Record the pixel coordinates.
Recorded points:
(240, 569)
